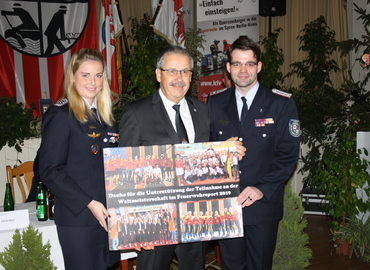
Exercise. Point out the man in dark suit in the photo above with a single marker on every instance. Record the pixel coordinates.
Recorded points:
(151, 121)
(124, 234)
(269, 129)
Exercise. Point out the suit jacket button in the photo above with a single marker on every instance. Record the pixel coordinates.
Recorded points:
(264, 135)
(220, 132)
(105, 140)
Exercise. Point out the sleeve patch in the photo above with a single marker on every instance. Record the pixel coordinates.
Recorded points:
(295, 127)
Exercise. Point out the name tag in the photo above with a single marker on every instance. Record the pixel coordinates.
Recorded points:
(12, 220)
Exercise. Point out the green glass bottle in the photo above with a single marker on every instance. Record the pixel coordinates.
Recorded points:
(42, 208)
(8, 199)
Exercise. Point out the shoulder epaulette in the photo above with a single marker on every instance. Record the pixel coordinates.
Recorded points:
(218, 91)
(281, 93)
(61, 102)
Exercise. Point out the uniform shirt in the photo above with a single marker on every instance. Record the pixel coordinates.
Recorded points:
(249, 97)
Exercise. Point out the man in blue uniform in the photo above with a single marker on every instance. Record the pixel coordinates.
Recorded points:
(267, 122)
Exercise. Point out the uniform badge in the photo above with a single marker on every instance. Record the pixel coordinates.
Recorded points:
(263, 122)
(94, 149)
(295, 127)
(114, 137)
(94, 135)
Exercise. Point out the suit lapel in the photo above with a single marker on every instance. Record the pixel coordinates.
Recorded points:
(195, 118)
(162, 116)
(258, 106)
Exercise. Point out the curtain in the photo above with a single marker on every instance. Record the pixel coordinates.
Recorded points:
(137, 9)
(299, 13)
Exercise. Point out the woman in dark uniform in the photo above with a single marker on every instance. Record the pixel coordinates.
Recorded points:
(71, 162)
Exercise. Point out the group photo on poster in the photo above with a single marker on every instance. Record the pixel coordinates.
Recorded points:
(168, 194)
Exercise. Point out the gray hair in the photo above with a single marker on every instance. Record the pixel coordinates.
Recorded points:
(172, 49)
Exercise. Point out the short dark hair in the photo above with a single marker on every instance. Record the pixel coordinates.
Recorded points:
(244, 43)
(173, 49)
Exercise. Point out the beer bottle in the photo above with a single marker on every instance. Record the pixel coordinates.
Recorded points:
(8, 199)
(42, 210)
(50, 202)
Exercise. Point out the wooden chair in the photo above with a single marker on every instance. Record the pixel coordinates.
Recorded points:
(24, 174)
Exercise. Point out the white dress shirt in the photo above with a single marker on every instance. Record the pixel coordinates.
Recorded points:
(249, 97)
(184, 112)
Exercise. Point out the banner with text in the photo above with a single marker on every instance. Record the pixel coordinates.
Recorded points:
(169, 194)
(222, 22)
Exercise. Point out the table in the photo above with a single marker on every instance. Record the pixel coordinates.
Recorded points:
(47, 228)
(49, 233)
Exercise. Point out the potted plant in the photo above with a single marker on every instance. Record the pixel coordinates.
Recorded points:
(17, 123)
(341, 171)
(357, 233)
(316, 97)
(272, 58)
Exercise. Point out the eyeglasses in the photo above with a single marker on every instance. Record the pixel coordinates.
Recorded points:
(174, 72)
(239, 64)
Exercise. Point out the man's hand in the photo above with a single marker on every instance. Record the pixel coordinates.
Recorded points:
(146, 248)
(248, 196)
(240, 149)
(99, 212)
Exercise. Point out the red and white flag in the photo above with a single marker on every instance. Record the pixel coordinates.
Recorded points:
(169, 22)
(110, 26)
(38, 39)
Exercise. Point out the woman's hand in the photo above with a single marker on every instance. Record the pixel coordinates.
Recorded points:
(99, 212)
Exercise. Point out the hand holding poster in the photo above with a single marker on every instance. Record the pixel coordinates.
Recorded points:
(168, 194)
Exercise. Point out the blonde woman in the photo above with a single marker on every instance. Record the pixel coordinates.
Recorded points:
(71, 162)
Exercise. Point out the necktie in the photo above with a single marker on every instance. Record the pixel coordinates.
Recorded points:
(95, 113)
(244, 110)
(180, 128)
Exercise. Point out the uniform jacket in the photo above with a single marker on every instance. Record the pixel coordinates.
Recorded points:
(69, 167)
(271, 135)
(146, 122)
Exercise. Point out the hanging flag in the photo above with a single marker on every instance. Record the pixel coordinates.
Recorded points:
(119, 55)
(169, 22)
(37, 41)
(110, 27)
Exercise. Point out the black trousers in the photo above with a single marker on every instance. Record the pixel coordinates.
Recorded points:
(254, 251)
(191, 256)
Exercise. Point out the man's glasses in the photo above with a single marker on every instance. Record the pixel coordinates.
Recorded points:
(239, 64)
(174, 72)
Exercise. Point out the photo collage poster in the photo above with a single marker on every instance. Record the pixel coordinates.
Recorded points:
(169, 194)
